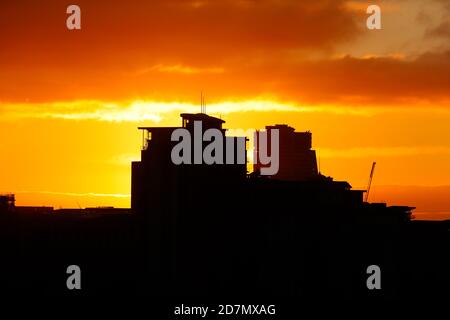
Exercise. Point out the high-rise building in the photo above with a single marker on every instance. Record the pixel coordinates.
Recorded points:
(157, 181)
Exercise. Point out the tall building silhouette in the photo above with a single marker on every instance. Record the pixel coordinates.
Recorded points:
(156, 181)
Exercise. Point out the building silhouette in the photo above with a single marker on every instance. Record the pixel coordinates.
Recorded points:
(7, 202)
(297, 159)
(216, 228)
(156, 181)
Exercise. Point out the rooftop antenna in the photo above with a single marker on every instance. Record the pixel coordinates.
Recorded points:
(202, 103)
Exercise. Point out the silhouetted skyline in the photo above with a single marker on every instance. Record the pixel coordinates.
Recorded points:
(368, 95)
(209, 231)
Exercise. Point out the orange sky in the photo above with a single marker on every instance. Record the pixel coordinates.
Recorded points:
(70, 101)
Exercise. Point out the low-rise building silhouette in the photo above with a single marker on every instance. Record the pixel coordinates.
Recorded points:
(7, 202)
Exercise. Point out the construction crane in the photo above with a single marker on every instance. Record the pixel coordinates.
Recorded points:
(370, 181)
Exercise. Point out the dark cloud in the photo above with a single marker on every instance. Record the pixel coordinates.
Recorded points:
(214, 29)
(259, 46)
(442, 30)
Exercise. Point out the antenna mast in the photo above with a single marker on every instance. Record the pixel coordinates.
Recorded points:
(202, 103)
